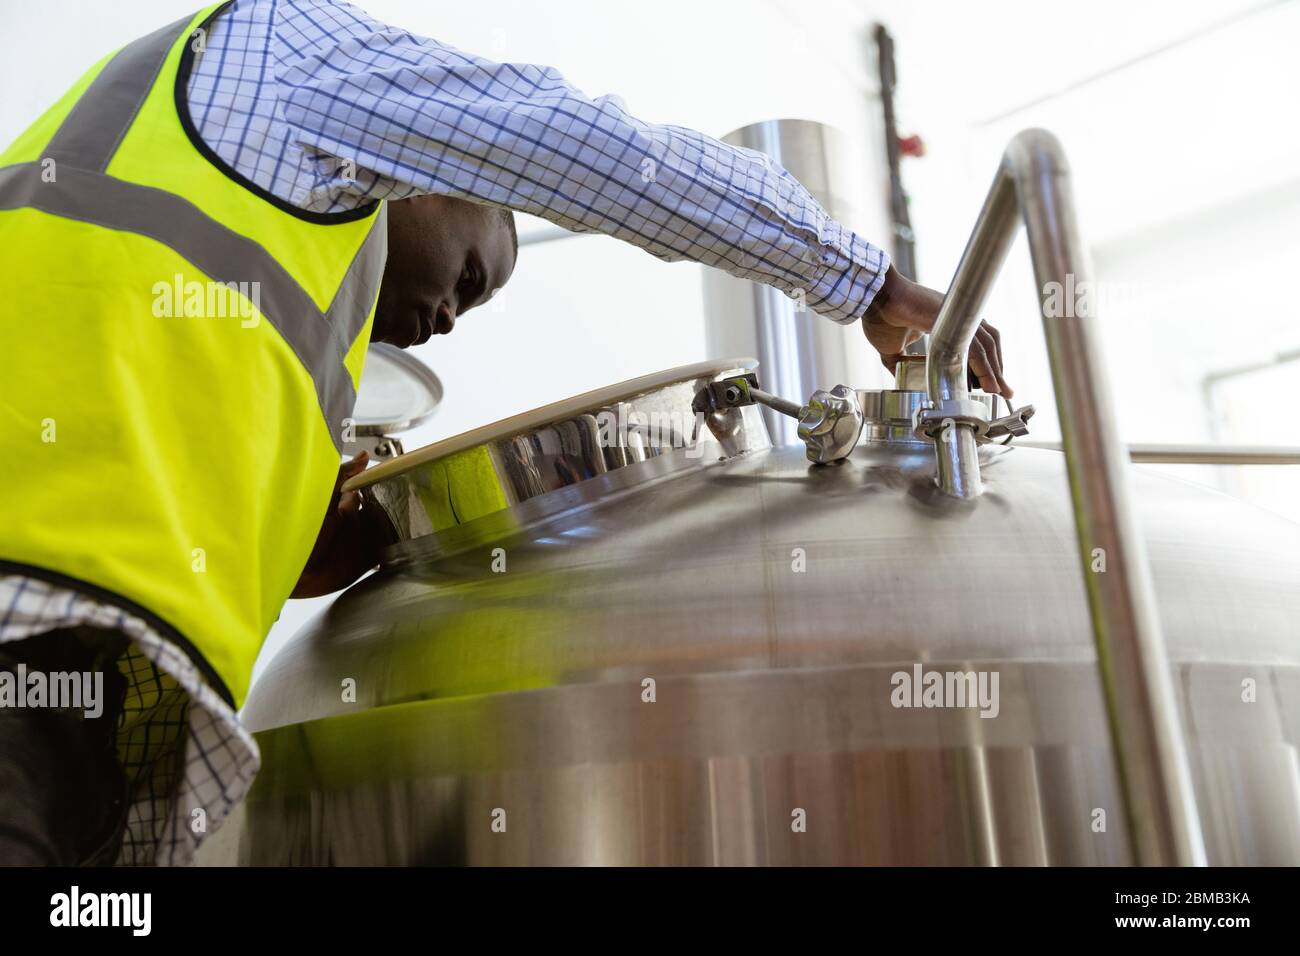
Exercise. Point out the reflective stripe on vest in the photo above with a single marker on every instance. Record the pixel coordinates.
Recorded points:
(82, 149)
(194, 454)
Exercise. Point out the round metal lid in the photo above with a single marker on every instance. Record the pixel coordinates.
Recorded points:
(398, 392)
(547, 414)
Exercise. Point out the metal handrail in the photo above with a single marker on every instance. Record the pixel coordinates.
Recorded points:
(1033, 183)
(1157, 453)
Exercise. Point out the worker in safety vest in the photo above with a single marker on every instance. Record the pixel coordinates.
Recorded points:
(201, 239)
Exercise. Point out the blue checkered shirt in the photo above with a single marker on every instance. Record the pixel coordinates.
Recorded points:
(327, 109)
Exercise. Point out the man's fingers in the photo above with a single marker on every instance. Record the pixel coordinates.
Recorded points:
(979, 364)
(350, 469)
(984, 360)
(984, 363)
(990, 369)
(992, 365)
(1001, 364)
(350, 502)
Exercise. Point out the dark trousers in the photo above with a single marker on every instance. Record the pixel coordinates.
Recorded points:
(63, 793)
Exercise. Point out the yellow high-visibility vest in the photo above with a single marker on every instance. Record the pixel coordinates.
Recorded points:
(180, 353)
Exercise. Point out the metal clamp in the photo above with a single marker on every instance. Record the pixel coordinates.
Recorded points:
(930, 418)
(830, 423)
(1015, 425)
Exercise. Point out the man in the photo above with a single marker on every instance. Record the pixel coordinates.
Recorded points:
(196, 236)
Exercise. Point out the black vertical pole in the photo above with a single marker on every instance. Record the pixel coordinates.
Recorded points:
(904, 251)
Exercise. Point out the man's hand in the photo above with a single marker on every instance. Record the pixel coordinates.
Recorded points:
(903, 310)
(350, 539)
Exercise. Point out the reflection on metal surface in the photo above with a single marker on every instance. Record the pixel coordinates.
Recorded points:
(525, 457)
(708, 775)
(772, 604)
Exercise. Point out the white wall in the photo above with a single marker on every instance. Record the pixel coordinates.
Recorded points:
(1177, 116)
(1177, 120)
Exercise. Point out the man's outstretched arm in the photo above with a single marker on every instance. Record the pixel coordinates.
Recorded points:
(417, 116)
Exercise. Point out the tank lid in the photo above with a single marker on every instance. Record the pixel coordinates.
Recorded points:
(397, 393)
(567, 408)
(557, 446)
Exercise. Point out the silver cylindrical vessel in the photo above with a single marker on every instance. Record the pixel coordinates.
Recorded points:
(741, 658)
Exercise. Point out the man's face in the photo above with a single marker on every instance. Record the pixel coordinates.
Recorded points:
(445, 256)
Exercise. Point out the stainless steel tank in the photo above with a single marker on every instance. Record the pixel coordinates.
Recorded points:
(608, 639)
(695, 658)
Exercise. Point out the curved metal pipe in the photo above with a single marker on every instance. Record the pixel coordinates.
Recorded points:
(959, 473)
(1033, 179)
